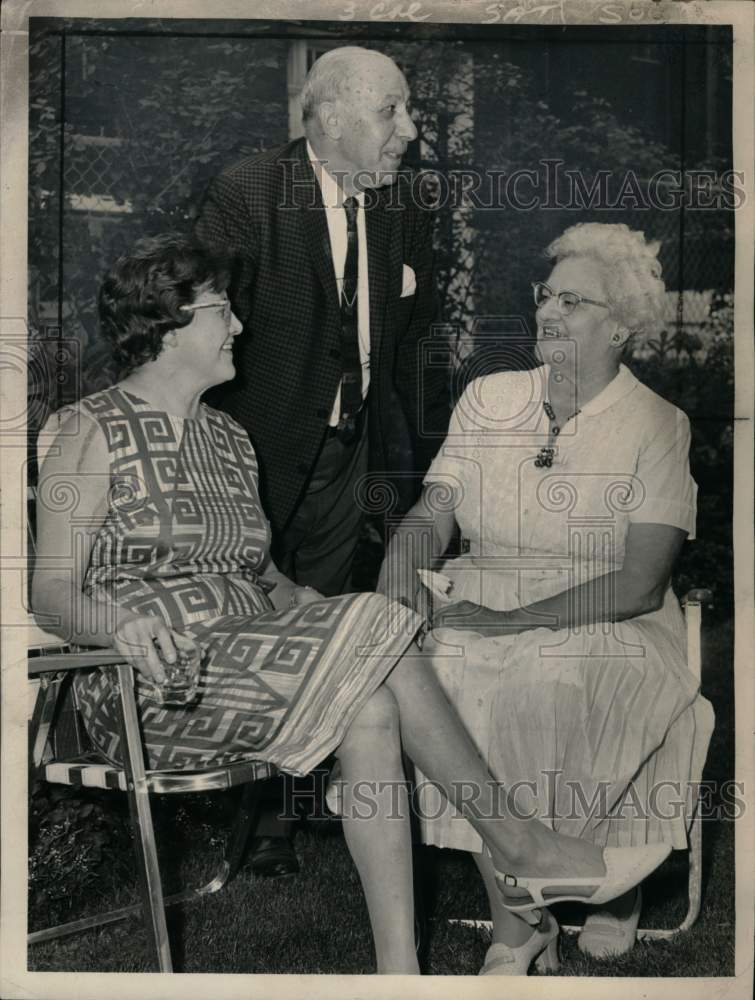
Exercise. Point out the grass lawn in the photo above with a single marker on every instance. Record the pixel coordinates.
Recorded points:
(316, 922)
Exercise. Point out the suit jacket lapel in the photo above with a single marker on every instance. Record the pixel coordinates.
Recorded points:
(305, 194)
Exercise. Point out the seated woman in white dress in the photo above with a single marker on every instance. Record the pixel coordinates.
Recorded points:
(172, 551)
(560, 642)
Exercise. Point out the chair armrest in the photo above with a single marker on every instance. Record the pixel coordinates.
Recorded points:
(692, 603)
(50, 680)
(57, 662)
(698, 596)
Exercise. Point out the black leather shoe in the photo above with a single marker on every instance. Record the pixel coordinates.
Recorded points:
(271, 857)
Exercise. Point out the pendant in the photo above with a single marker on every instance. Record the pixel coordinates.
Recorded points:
(544, 458)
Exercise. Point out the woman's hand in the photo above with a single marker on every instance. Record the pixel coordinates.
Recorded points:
(136, 638)
(476, 618)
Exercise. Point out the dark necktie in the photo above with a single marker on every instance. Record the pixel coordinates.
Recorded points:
(351, 379)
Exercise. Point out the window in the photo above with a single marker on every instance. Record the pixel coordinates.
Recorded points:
(301, 57)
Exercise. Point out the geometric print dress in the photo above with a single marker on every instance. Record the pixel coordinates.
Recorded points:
(185, 538)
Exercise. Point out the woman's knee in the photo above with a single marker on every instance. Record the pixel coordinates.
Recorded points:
(379, 716)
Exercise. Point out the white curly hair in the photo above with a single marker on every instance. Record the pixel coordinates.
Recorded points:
(630, 266)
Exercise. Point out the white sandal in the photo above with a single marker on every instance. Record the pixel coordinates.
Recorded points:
(626, 867)
(541, 947)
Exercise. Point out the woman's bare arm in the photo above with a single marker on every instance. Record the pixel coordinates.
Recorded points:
(72, 502)
(635, 589)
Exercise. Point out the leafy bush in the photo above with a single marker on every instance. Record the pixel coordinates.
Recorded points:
(78, 843)
(80, 847)
(695, 371)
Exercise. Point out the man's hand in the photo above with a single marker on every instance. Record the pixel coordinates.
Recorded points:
(305, 595)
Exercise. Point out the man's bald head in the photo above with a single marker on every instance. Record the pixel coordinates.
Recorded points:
(334, 75)
(356, 113)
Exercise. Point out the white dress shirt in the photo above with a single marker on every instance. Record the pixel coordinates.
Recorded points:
(333, 199)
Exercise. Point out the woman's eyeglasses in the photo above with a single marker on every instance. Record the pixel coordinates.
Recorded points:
(223, 304)
(567, 301)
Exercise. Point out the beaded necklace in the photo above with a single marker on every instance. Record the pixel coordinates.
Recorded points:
(544, 458)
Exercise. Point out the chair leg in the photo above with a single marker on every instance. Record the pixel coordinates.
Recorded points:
(244, 825)
(695, 871)
(153, 905)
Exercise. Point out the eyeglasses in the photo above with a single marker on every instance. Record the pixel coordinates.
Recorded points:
(223, 304)
(567, 301)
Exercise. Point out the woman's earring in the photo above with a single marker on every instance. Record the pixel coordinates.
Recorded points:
(616, 338)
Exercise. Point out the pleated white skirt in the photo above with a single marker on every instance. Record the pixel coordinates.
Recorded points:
(601, 731)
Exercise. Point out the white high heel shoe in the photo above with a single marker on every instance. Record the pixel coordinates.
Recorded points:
(626, 867)
(541, 947)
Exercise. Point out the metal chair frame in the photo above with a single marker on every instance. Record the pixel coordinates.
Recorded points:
(692, 604)
(91, 769)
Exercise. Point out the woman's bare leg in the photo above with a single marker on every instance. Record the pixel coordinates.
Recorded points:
(437, 742)
(508, 928)
(375, 812)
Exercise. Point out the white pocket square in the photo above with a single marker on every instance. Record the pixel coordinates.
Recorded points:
(408, 281)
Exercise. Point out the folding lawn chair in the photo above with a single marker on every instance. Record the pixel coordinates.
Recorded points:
(60, 753)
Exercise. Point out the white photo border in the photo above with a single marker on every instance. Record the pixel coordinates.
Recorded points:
(15, 981)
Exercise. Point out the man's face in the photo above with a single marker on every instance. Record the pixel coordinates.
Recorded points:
(375, 123)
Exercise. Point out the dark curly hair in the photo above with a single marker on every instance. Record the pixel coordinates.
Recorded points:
(141, 295)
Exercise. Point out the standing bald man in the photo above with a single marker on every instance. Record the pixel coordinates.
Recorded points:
(335, 290)
(336, 293)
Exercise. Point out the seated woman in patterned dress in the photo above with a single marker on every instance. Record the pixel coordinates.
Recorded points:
(561, 643)
(168, 544)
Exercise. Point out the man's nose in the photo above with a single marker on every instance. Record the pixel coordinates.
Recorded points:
(236, 325)
(406, 127)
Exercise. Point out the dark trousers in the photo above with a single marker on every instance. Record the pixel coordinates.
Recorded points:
(318, 545)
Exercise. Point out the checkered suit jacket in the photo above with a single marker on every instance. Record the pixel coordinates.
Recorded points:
(267, 212)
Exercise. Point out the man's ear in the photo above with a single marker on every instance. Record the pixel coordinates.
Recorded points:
(330, 119)
(170, 339)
